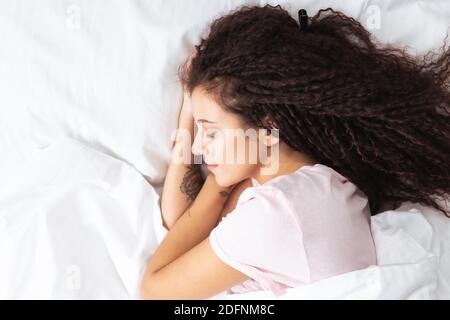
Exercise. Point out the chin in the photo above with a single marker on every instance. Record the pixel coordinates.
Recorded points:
(223, 182)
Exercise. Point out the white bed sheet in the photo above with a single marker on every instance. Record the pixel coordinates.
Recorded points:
(74, 224)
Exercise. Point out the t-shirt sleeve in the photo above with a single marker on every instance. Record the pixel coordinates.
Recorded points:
(262, 240)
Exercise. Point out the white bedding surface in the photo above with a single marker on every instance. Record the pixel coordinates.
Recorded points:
(89, 104)
(75, 224)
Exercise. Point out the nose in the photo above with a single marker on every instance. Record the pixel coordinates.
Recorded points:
(197, 145)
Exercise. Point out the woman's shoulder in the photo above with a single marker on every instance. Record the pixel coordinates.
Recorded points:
(317, 179)
(310, 188)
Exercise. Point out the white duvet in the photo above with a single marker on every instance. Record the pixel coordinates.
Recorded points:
(76, 223)
(88, 104)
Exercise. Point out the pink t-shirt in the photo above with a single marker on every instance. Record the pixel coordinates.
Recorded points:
(296, 229)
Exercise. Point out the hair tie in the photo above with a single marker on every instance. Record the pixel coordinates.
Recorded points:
(303, 19)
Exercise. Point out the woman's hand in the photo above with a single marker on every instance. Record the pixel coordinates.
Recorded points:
(186, 110)
(233, 198)
(214, 187)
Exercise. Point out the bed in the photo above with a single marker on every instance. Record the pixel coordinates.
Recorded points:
(90, 98)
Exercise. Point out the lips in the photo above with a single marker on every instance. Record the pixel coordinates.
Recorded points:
(211, 166)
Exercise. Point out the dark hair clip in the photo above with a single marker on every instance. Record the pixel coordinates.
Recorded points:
(303, 19)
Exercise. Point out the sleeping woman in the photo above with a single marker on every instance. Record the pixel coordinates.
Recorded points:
(331, 128)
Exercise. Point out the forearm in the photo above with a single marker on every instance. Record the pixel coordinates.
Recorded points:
(183, 179)
(173, 200)
(193, 226)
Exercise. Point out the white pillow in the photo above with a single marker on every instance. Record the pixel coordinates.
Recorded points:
(102, 72)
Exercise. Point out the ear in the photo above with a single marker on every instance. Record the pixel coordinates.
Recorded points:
(270, 137)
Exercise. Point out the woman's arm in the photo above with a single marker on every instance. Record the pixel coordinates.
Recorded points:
(184, 265)
(183, 179)
(198, 273)
(194, 225)
(233, 198)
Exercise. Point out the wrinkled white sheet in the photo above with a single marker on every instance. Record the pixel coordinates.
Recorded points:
(74, 224)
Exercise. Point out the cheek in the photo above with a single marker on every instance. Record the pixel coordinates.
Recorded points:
(239, 165)
(215, 150)
(228, 151)
(245, 151)
(237, 158)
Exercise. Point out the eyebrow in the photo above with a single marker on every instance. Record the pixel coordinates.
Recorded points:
(204, 120)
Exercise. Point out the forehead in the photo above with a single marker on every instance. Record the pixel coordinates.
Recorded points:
(204, 107)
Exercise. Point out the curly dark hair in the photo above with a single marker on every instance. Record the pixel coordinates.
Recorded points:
(373, 113)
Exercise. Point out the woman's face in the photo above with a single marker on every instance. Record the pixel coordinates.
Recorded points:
(230, 151)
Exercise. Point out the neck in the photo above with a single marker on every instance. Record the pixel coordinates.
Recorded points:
(288, 161)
